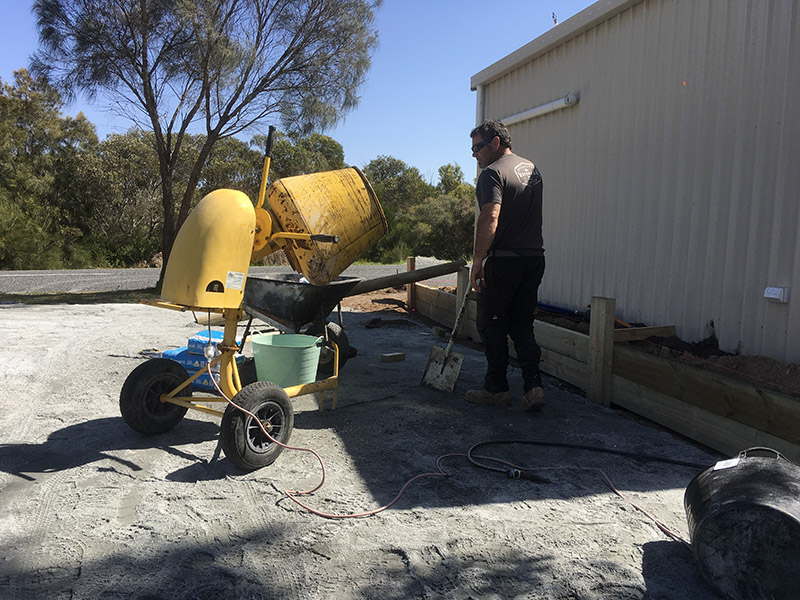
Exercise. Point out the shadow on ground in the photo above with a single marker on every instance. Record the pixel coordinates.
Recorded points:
(96, 440)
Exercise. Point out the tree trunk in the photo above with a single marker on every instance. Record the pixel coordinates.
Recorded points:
(173, 222)
(170, 229)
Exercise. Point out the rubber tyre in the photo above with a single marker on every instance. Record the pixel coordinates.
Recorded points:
(140, 398)
(242, 440)
(338, 337)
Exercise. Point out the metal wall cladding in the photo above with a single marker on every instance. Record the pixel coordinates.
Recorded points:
(673, 185)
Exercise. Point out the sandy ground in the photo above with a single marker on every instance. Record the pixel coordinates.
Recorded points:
(92, 509)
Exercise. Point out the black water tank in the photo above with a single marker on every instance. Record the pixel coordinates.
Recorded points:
(744, 523)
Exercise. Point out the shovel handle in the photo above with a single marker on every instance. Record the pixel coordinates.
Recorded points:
(457, 323)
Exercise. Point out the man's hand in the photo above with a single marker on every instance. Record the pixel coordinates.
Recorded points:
(485, 229)
(476, 276)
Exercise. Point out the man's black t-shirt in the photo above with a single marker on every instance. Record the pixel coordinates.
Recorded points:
(516, 184)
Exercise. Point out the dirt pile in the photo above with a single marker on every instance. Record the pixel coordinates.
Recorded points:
(759, 371)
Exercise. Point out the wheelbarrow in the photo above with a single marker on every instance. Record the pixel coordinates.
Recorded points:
(288, 301)
(291, 303)
(158, 393)
(322, 222)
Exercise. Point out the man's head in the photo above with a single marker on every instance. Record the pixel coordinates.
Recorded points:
(490, 140)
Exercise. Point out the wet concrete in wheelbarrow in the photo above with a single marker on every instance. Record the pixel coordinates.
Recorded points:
(92, 509)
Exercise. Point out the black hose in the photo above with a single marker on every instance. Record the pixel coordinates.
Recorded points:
(521, 474)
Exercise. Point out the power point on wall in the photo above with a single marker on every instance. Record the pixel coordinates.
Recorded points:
(777, 294)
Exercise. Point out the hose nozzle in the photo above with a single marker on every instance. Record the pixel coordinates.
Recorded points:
(517, 474)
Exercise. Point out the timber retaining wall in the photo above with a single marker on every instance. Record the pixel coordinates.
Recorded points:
(720, 412)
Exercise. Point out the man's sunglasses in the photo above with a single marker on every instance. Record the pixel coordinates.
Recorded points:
(478, 146)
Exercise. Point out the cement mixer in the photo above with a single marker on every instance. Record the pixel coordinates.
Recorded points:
(323, 222)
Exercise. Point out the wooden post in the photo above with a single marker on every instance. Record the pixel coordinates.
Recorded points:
(411, 288)
(601, 349)
(462, 287)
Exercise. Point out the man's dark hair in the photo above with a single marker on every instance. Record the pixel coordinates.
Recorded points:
(490, 128)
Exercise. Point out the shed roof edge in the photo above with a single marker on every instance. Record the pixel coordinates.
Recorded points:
(591, 16)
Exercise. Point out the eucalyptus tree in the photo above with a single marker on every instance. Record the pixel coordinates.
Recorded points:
(299, 155)
(212, 67)
(400, 188)
(39, 152)
(120, 180)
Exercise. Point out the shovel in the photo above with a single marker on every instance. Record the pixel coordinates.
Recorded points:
(444, 365)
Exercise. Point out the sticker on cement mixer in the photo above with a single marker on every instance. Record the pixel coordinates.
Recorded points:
(234, 280)
(726, 464)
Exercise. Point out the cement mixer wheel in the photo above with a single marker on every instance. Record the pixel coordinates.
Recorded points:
(140, 399)
(337, 336)
(242, 440)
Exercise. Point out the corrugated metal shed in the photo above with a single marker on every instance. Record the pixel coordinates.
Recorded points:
(672, 185)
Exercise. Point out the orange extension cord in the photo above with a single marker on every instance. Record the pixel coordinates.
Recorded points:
(291, 494)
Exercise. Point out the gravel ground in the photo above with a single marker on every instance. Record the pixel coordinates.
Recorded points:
(93, 510)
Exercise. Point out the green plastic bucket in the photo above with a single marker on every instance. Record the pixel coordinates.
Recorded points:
(286, 359)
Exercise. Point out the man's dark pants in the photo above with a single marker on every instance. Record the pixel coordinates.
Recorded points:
(505, 307)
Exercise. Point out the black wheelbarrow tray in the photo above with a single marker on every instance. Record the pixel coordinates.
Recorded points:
(289, 300)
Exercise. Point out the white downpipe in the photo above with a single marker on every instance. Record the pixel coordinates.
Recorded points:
(568, 100)
(479, 118)
(479, 106)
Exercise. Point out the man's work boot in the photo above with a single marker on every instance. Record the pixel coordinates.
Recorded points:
(490, 398)
(533, 400)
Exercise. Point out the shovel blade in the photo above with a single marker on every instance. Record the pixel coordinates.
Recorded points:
(441, 372)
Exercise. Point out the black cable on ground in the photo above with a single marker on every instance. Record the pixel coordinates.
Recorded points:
(518, 472)
(515, 473)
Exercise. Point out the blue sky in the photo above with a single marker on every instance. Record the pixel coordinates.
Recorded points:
(416, 104)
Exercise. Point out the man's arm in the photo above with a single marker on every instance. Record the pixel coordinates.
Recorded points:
(485, 229)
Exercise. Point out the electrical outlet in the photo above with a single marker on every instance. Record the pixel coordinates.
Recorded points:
(777, 294)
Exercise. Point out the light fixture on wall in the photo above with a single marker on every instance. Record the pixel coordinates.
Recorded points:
(568, 100)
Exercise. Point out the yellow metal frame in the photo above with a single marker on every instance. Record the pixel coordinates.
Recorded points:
(229, 381)
(265, 243)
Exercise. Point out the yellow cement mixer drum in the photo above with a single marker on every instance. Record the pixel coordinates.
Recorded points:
(340, 203)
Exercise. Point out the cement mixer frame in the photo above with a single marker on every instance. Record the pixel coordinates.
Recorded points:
(207, 271)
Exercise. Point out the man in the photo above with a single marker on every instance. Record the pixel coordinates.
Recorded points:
(508, 264)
